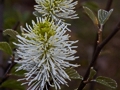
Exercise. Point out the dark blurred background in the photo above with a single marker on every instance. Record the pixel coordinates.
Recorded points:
(83, 29)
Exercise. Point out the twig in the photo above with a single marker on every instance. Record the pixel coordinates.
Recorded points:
(100, 34)
(109, 4)
(96, 54)
(16, 25)
(94, 49)
(2, 66)
(7, 72)
(1, 31)
(92, 84)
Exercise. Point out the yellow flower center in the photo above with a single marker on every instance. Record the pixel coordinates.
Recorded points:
(43, 28)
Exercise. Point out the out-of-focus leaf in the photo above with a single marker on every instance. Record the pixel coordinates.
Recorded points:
(91, 4)
(12, 84)
(37, 14)
(73, 74)
(4, 46)
(103, 16)
(11, 33)
(92, 73)
(17, 73)
(106, 81)
(23, 17)
(91, 15)
(10, 17)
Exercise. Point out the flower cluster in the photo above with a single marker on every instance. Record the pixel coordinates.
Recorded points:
(44, 48)
(56, 8)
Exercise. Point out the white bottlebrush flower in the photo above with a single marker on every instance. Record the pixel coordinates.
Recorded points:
(45, 52)
(57, 8)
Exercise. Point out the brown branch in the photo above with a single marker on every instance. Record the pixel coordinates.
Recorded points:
(16, 25)
(100, 35)
(1, 31)
(96, 54)
(8, 71)
(109, 4)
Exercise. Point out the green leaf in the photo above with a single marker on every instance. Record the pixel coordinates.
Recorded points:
(92, 73)
(37, 14)
(91, 15)
(12, 84)
(73, 74)
(106, 81)
(103, 16)
(17, 73)
(23, 17)
(11, 33)
(91, 4)
(4, 46)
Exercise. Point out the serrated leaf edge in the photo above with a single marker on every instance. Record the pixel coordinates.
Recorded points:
(104, 83)
(108, 13)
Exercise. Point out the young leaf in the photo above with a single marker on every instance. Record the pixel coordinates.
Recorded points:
(92, 73)
(12, 84)
(11, 33)
(106, 81)
(73, 74)
(91, 15)
(103, 16)
(4, 46)
(91, 4)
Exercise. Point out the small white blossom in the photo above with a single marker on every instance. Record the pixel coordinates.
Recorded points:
(45, 52)
(57, 8)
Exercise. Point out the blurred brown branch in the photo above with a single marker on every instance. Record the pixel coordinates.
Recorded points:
(109, 4)
(16, 25)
